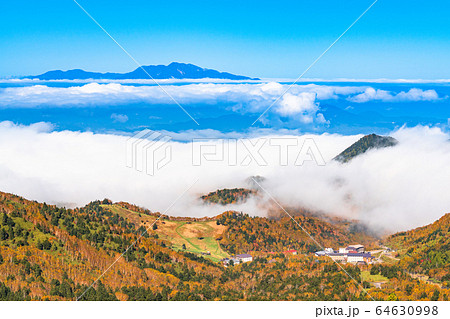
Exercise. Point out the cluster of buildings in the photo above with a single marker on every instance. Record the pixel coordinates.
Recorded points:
(351, 254)
(240, 258)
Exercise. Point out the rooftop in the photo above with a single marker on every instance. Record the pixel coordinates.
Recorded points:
(243, 256)
(367, 255)
(355, 246)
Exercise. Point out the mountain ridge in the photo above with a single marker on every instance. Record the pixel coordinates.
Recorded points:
(174, 70)
(367, 142)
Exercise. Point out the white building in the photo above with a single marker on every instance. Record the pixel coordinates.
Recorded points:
(359, 257)
(338, 256)
(353, 257)
(244, 257)
(320, 253)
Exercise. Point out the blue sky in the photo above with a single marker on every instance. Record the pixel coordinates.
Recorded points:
(395, 39)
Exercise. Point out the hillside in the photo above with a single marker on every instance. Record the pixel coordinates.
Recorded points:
(245, 233)
(52, 253)
(425, 250)
(190, 235)
(364, 144)
(174, 70)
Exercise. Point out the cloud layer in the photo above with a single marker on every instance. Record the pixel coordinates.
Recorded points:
(413, 95)
(301, 102)
(396, 188)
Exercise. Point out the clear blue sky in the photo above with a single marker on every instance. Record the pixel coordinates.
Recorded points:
(395, 39)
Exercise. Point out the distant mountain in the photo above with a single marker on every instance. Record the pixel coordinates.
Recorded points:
(174, 70)
(363, 145)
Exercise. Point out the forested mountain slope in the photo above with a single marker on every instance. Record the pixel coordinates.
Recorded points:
(51, 253)
(245, 233)
(425, 249)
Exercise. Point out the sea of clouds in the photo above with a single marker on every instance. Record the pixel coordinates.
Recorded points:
(298, 101)
(388, 189)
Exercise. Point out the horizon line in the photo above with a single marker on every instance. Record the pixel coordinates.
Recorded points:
(19, 78)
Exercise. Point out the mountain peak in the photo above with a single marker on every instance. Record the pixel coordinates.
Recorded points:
(367, 142)
(174, 70)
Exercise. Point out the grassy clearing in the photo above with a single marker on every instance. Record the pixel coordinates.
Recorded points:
(366, 276)
(133, 217)
(198, 237)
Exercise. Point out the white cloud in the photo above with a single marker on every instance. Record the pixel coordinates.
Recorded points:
(39, 127)
(245, 97)
(394, 188)
(121, 118)
(413, 95)
(417, 95)
(300, 102)
(303, 104)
